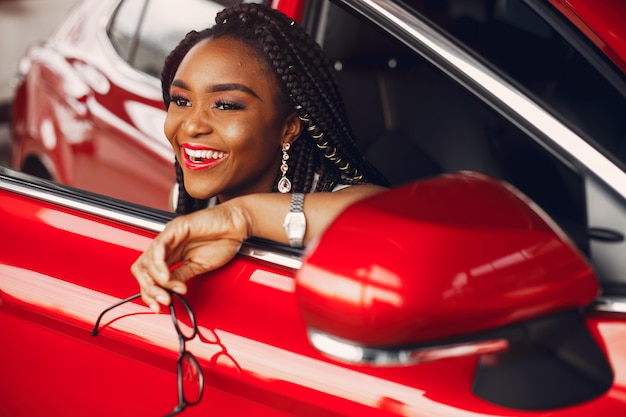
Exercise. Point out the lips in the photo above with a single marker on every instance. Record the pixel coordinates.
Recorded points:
(198, 157)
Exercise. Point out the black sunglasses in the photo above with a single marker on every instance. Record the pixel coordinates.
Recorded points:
(190, 378)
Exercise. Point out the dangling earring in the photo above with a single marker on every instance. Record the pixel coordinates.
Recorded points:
(284, 185)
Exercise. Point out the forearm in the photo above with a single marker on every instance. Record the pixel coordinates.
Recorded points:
(266, 212)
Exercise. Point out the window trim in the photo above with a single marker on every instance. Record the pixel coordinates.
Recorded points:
(142, 217)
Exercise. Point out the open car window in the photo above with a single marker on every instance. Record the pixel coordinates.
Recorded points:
(414, 121)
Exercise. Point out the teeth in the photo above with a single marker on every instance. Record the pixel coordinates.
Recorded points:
(197, 155)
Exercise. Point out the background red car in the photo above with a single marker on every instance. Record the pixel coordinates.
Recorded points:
(88, 110)
(452, 294)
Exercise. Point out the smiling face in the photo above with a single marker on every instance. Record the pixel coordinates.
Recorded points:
(225, 121)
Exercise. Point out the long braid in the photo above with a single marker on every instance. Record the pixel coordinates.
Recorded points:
(326, 98)
(308, 84)
(307, 75)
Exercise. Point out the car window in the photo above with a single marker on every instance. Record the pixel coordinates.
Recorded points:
(544, 55)
(552, 62)
(143, 32)
(123, 27)
(413, 121)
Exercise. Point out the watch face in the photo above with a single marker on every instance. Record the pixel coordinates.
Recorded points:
(295, 227)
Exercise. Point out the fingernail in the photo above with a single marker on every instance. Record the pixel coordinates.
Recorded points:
(155, 307)
(162, 299)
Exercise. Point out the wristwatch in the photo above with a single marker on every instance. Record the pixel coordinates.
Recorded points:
(295, 222)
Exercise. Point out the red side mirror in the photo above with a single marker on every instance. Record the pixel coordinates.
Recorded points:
(439, 259)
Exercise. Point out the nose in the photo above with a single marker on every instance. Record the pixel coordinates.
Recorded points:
(196, 122)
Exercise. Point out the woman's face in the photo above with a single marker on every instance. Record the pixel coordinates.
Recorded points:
(224, 121)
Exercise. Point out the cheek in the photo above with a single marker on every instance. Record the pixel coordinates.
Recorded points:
(254, 148)
(242, 138)
(169, 127)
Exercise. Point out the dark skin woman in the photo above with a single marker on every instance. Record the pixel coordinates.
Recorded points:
(254, 117)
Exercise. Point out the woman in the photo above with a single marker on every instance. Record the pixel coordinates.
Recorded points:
(256, 121)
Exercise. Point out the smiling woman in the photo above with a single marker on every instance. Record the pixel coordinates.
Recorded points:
(257, 77)
(226, 122)
(256, 121)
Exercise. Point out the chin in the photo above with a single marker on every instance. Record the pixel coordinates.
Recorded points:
(199, 193)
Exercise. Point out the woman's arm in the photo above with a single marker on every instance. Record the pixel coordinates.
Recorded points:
(267, 211)
(207, 239)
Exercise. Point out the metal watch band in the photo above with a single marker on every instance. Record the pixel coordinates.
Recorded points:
(297, 202)
(295, 222)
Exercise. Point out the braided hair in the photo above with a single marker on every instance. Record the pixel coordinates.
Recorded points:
(305, 76)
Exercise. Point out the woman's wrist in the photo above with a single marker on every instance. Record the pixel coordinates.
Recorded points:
(241, 214)
(264, 214)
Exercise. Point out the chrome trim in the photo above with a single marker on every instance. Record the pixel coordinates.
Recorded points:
(84, 207)
(610, 304)
(250, 248)
(256, 251)
(356, 354)
(493, 90)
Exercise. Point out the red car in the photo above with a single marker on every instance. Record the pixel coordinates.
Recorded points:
(489, 281)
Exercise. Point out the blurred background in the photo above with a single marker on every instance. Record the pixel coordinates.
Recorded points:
(22, 22)
(91, 110)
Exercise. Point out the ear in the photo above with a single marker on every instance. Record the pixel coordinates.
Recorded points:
(292, 128)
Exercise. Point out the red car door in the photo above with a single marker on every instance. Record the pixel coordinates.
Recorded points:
(65, 258)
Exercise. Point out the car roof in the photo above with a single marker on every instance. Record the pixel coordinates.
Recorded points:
(602, 21)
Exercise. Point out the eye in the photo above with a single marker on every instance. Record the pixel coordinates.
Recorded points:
(227, 105)
(181, 101)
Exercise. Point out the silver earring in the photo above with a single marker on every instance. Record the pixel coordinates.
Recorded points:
(284, 185)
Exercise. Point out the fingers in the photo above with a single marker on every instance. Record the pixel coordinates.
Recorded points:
(152, 269)
(151, 293)
(188, 246)
(152, 273)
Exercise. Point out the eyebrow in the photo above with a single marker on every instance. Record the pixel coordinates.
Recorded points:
(220, 87)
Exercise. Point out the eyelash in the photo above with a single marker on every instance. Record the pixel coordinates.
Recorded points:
(227, 105)
(178, 100)
(220, 104)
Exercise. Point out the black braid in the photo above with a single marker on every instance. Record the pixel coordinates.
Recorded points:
(308, 84)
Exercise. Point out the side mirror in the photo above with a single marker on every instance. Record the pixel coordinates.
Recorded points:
(437, 261)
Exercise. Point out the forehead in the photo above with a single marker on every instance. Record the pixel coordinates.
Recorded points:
(225, 57)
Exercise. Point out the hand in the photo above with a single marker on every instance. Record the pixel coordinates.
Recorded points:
(188, 246)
